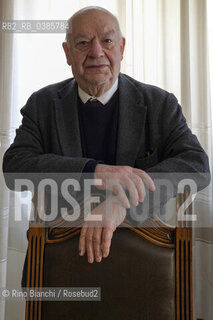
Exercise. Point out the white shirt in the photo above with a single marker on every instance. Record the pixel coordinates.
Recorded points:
(103, 99)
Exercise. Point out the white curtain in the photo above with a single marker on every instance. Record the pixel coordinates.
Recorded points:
(6, 45)
(168, 45)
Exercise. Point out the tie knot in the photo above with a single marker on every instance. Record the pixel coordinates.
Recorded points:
(95, 102)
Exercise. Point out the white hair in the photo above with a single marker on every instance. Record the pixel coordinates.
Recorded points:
(69, 21)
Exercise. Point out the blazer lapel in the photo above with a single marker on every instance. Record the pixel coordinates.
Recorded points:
(67, 121)
(131, 123)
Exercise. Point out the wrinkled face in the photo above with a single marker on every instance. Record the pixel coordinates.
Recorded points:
(95, 49)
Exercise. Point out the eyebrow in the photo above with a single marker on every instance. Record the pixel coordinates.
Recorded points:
(108, 33)
(82, 35)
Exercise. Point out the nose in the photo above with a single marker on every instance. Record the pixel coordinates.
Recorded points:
(96, 50)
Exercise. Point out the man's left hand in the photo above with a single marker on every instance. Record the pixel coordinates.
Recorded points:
(96, 236)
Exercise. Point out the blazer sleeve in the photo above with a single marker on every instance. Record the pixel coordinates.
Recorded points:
(176, 156)
(179, 151)
(27, 153)
(178, 145)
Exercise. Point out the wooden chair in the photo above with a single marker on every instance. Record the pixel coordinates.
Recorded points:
(148, 274)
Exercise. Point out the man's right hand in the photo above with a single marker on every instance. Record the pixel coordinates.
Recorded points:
(119, 179)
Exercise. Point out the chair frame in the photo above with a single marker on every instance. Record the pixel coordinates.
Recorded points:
(153, 230)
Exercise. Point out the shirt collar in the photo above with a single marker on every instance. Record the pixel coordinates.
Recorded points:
(103, 99)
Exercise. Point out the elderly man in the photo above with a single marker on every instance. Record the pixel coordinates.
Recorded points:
(94, 51)
(106, 123)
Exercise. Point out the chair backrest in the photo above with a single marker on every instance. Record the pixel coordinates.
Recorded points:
(148, 274)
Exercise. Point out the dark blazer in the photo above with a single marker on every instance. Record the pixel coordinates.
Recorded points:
(150, 123)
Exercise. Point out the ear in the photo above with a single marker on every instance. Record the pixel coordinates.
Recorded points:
(67, 52)
(122, 46)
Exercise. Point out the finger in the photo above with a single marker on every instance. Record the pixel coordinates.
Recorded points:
(89, 244)
(128, 183)
(146, 178)
(106, 241)
(97, 244)
(140, 186)
(120, 193)
(82, 241)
